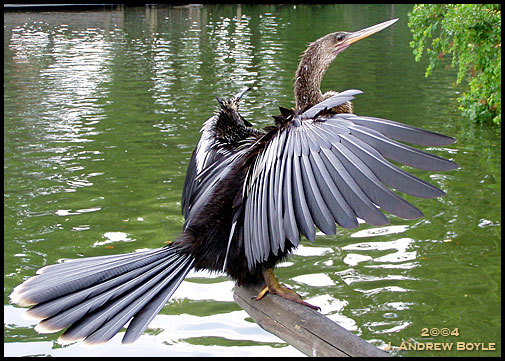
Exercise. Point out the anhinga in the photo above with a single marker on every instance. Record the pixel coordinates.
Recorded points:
(248, 196)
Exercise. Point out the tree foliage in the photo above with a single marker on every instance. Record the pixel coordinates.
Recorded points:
(471, 34)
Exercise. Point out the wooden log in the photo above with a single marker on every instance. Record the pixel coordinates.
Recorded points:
(306, 329)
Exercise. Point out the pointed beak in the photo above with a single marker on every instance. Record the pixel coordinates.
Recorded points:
(361, 34)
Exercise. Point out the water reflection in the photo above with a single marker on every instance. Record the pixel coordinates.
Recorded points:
(78, 63)
(233, 55)
(315, 280)
(28, 43)
(400, 246)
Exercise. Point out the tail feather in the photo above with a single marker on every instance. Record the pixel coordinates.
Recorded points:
(65, 310)
(105, 322)
(76, 264)
(146, 306)
(142, 319)
(97, 296)
(64, 279)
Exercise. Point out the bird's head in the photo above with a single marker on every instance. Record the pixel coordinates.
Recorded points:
(343, 40)
(319, 55)
(332, 44)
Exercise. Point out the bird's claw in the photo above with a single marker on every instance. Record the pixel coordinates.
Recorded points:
(274, 287)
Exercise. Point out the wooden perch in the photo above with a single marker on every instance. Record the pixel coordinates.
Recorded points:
(306, 329)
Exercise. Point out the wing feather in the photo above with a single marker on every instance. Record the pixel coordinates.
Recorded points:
(319, 170)
(290, 223)
(402, 153)
(280, 171)
(390, 174)
(263, 220)
(302, 212)
(322, 216)
(340, 210)
(256, 225)
(273, 212)
(372, 187)
(402, 132)
(351, 191)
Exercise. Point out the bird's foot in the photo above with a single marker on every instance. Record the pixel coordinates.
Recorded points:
(273, 286)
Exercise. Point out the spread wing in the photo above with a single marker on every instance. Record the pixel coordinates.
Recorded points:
(215, 150)
(206, 153)
(322, 170)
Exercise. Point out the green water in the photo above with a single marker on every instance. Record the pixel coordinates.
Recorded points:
(102, 110)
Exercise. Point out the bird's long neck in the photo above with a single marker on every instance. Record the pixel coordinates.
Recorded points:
(309, 76)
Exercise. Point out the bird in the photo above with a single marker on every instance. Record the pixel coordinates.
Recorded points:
(249, 197)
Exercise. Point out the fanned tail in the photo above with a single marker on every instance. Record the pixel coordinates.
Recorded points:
(95, 297)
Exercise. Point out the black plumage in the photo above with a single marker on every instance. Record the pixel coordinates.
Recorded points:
(248, 197)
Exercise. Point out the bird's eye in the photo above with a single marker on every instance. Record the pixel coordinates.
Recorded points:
(340, 37)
